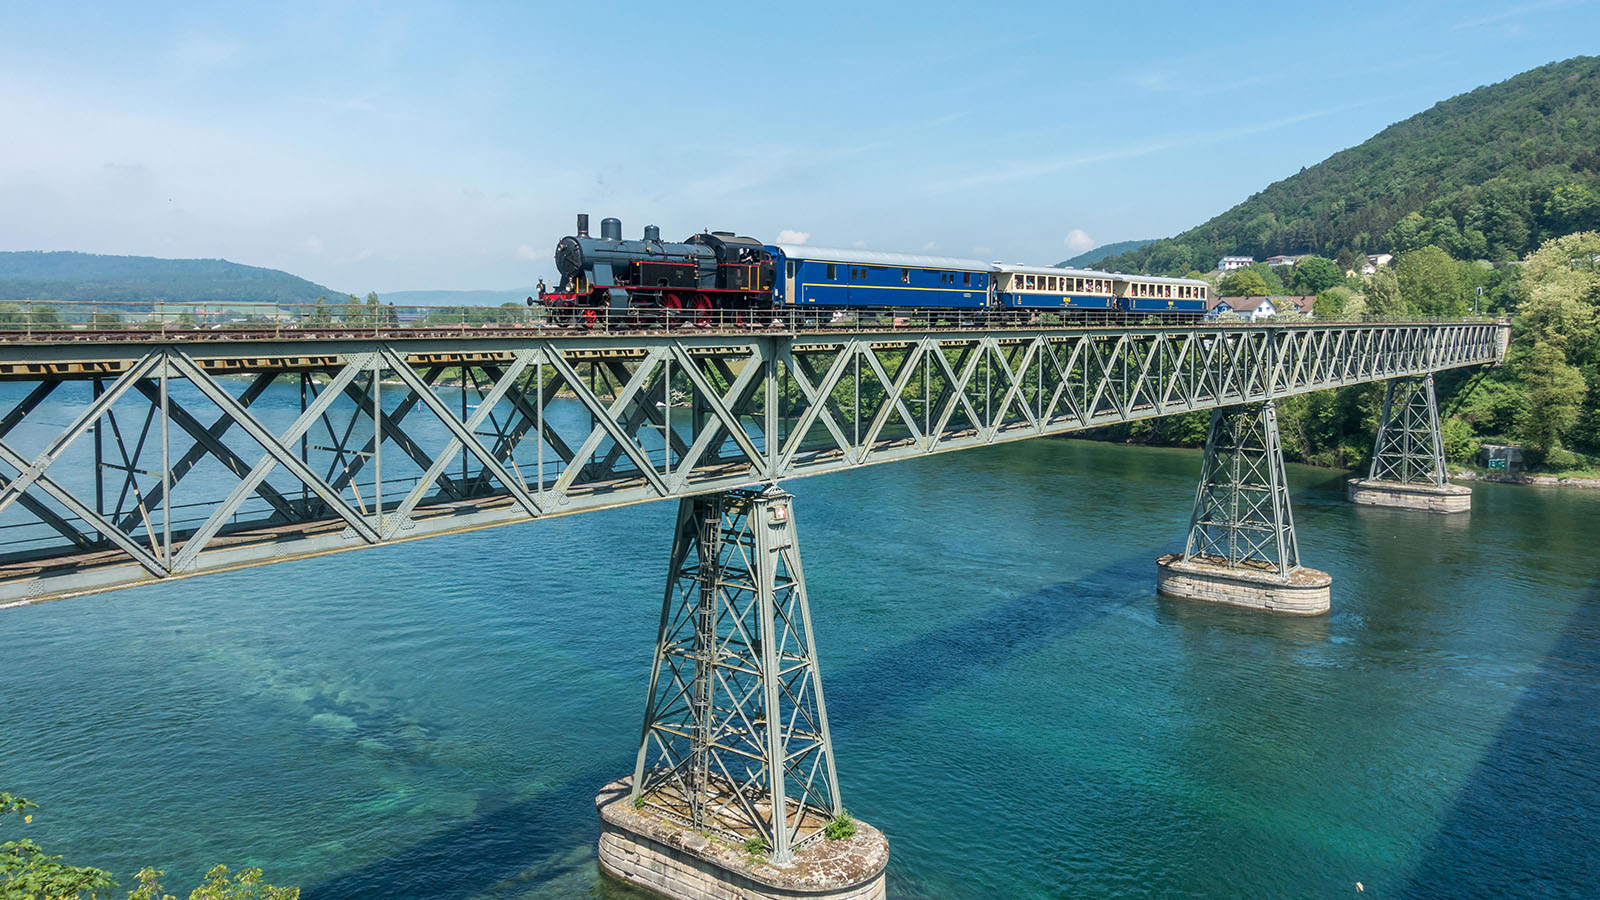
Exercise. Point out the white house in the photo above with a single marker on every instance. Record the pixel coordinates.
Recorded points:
(1252, 309)
(1229, 263)
(1276, 261)
(1376, 261)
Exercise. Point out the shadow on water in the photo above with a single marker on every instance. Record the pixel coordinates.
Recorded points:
(1525, 822)
(514, 849)
(508, 850)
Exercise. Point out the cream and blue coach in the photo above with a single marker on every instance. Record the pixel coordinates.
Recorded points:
(1154, 294)
(1039, 287)
(853, 279)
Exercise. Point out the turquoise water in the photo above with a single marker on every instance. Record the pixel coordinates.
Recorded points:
(1010, 701)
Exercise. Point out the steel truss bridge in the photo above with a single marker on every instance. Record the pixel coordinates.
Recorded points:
(125, 462)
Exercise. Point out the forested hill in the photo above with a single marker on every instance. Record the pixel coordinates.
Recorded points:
(1489, 174)
(66, 276)
(1091, 257)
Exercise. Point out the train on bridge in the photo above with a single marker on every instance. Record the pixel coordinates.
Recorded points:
(732, 278)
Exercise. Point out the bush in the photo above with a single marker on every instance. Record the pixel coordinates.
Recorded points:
(840, 827)
(1460, 443)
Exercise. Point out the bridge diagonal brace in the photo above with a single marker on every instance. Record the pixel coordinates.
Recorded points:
(817, 393)
(28, 471)
(1015, 379)
(75, 506)
(462, 435)
(896, 388)
(205, 441)
(958, 385)
(738, 392)
(392, 431)
(605, 422)
(720, 404)
(276, 454)
(49, 517)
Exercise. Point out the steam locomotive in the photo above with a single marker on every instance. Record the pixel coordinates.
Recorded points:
(739, 280)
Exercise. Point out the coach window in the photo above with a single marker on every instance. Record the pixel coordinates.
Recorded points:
(966, 278)
(833, 272)
(905, 276)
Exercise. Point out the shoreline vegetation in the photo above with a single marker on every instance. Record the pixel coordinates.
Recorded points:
(1544, 398)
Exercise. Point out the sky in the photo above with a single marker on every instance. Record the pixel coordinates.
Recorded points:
(394, 146)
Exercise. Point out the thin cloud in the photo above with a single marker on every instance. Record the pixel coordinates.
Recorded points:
(1515, 12)
(1051, 166)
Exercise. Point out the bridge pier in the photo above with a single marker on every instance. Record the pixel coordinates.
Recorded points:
(1241, 548)
(1408, 469)
(733, 793)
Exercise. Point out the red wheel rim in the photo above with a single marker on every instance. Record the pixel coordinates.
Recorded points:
(702, 310)
(589, 316)
(671, 306)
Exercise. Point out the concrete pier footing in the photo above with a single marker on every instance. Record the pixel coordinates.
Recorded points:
(1304, 592)
(676, 861)
(1449, 498)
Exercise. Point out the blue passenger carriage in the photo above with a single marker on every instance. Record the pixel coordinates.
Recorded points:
(1155, 295)
(1042, 288)
(857, 279)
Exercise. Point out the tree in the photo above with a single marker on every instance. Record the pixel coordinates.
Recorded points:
(321, 314)
(354, 312)
(1246, 282)
(1430, 281)
(1315, 274)
(1556, 392)
(1331, 303)
(1384, 299)
(27, 873)
(1406, 234)
(1460, 444)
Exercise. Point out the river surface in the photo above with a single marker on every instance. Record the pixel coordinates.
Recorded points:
(1011, 703)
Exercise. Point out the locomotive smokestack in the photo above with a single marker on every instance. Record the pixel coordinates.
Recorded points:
(611, 229)
(652, 233)
(583, 224)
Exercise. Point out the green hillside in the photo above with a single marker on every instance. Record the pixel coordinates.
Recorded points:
(1090, 257)
(1490, 174)
(67, 276)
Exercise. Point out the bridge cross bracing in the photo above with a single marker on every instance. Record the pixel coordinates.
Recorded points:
(124, 463)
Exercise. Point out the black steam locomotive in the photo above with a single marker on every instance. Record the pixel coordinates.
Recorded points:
(654, 280)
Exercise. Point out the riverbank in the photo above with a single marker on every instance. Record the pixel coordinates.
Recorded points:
(1525, 478)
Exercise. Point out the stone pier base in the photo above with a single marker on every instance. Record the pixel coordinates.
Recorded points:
(645, 850)
(1305, 592)
(1451, 498)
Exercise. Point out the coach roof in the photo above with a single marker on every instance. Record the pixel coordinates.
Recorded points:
(877, 258)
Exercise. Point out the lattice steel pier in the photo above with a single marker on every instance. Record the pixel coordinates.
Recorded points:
(1408, 469)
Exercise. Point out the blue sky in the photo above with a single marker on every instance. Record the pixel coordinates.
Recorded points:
(391, 146)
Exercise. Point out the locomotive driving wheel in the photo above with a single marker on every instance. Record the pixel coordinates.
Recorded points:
(700, 310)
(671, 309)
(588, 317)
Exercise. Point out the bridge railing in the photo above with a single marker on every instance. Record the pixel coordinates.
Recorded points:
(226, 320)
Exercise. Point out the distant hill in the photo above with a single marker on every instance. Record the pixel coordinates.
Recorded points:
(1091, 257)
(457, 298)
(67, 276)
(1489, 174)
